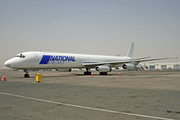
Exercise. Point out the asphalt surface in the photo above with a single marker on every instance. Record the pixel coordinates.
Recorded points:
(135, 95)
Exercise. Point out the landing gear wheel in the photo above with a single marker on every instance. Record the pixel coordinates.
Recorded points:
(103, 73)
(87, 73)
(26, 75)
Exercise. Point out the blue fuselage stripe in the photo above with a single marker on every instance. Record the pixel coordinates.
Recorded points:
(45, 59)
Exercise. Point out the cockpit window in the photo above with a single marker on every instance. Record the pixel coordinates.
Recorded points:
(17, 56)
(20, 56)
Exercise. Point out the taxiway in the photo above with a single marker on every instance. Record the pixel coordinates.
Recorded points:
(135, 95)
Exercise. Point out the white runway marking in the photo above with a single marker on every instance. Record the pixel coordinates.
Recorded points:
(16, 83)
(90, 108)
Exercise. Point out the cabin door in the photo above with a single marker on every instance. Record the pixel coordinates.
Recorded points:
(36, 58)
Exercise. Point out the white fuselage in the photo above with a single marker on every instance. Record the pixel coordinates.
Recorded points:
(51, 60)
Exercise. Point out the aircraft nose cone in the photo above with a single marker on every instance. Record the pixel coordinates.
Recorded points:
(8, 63)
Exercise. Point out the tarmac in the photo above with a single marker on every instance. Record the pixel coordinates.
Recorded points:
(134, 95)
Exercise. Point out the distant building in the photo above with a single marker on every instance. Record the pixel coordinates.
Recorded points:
(163, 66)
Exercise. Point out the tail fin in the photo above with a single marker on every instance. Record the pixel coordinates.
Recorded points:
(131, 51)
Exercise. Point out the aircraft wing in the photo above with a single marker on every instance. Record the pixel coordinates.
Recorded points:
(123, 62)
(103, 63)
(152, 59)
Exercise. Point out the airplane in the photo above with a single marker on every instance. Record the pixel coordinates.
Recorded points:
(64, 62)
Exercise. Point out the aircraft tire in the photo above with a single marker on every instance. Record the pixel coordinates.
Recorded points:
(87, 73)
(103, 73)
(26, 75)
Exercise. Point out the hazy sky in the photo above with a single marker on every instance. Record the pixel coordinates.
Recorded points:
(106, 27)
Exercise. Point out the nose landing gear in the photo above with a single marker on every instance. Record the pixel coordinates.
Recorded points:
(26, 75)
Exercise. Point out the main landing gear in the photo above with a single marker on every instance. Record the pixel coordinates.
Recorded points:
(103, 73)
(26, 75)
(87, 72)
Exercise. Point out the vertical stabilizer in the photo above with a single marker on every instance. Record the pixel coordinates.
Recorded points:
(131, 51)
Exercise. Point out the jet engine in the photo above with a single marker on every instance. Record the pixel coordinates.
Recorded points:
(63, 70)
(129, 66)
(103, 68)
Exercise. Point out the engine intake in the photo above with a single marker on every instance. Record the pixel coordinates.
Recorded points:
(129, 66)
